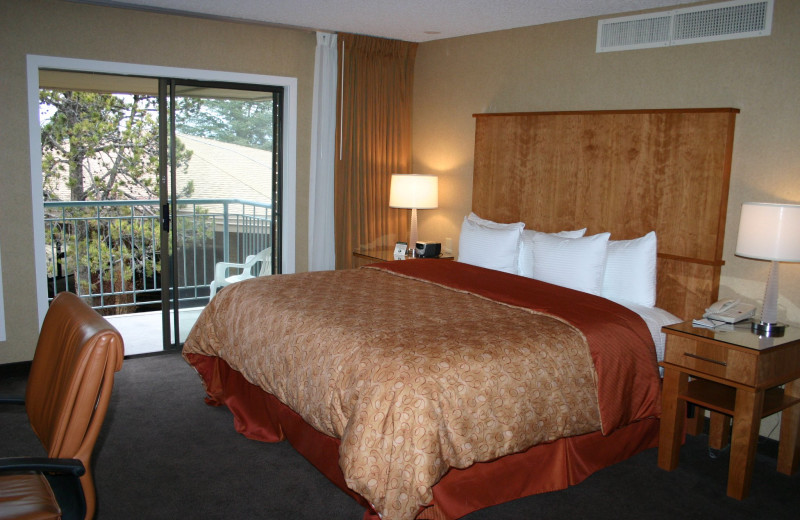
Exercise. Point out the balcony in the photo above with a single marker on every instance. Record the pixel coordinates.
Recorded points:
(109, 253)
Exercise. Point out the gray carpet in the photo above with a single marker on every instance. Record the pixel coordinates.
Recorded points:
(165, 454)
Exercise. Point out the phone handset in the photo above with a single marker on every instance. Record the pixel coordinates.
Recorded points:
(730, 311)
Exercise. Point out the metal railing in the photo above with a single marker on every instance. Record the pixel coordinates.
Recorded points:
(109, 251)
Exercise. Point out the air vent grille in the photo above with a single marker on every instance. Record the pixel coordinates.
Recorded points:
(651, 32)
(741, 21)
(723, 21)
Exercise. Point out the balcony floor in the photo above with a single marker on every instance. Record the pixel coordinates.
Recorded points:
(141, 331)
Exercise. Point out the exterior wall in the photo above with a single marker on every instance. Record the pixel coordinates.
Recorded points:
(554, 67)
(69, 30)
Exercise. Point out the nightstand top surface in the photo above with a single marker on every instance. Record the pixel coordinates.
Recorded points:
(387, 254)
(739, 335)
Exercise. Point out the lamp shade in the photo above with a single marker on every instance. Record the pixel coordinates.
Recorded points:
(413, 191)
(769, 232)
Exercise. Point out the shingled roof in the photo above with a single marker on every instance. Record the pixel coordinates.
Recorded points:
(227, 171)
(219, 171)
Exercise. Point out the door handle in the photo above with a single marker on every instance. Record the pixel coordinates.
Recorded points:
(165, 217)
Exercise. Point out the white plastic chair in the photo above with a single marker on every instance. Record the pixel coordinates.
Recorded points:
(221, 278)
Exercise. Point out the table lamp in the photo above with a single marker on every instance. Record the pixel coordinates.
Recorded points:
(769, 232)
(414, 191)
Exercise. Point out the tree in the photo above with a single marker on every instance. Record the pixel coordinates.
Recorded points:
(235, 121)
(102, 147)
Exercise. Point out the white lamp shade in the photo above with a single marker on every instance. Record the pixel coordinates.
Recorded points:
(769, 232)
(414, 191)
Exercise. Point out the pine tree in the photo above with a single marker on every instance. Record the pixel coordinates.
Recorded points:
(102, 147)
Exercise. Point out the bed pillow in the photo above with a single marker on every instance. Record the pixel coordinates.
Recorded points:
(492, 224)
(576, 263)
(526, 247)
(489, 246)
(631, 270)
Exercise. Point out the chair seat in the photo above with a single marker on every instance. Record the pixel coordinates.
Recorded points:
(27, 496)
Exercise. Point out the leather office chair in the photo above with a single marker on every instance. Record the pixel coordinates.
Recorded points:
(66, 399)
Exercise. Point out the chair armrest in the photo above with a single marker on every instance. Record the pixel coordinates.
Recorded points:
(63, 479)
(72, 467)
(221, 271)
(9, 399)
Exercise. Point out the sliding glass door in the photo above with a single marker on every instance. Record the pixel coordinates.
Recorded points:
(155, 190)
(220, 182)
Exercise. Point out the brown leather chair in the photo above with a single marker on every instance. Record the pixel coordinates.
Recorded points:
(66, 400)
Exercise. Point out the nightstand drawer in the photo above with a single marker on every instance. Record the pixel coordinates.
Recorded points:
(711, 358)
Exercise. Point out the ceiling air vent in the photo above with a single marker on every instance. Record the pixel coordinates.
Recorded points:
(705, 23)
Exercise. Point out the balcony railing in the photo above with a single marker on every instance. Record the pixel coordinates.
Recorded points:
(109, 251)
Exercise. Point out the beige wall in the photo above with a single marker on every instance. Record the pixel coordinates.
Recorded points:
(63, 29)
(555, 67)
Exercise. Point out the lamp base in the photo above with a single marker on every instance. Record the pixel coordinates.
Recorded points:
(773, 330)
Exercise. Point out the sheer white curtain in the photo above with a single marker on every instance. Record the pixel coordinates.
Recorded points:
(321, 248)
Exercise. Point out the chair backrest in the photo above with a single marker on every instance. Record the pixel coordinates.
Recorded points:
(70, 382)
(265, 257)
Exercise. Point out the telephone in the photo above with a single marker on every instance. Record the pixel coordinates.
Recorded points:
(400, 250)
(730, 311)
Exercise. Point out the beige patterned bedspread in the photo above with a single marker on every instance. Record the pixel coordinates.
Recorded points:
(412, 377)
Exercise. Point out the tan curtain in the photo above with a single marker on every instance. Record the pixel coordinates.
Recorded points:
(373, 141)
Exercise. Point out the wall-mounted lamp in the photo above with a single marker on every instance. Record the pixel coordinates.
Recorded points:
(769, 232)
(413, 191)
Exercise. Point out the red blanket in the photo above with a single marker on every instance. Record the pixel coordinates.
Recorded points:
(618, 338)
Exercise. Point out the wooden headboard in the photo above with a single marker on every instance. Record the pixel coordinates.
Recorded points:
(628, 172)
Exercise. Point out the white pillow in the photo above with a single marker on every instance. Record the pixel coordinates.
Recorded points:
(576, 263)
(490, 247)
(492, 224)
(526, 247)
(631, 270)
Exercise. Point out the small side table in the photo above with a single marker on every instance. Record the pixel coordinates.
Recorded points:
(382, 254)
(736, 373)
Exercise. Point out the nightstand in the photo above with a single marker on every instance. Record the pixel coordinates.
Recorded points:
(736, 373)
(366, 256)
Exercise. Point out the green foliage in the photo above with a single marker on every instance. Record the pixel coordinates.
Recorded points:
(105, 250)
(102, 147)
(235, 121)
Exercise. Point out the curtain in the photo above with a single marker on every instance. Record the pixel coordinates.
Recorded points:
(374, 141)
(321, 246)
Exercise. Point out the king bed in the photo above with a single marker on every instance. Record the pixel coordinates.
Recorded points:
(431, 389)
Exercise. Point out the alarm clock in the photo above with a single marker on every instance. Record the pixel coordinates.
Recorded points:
(428, 249)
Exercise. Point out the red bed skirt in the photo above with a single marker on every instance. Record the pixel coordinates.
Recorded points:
(546, 467)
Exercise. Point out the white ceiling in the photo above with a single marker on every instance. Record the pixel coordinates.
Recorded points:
(410, 20)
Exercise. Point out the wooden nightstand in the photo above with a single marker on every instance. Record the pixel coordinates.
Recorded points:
(382, 254)
(736, 373)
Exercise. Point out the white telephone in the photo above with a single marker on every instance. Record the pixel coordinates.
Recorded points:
(730, 311)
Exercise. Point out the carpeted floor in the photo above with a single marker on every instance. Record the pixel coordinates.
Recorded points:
(165, 454)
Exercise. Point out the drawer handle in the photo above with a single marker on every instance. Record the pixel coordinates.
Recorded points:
(701, 358)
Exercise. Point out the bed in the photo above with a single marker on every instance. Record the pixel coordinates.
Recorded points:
(431, 389)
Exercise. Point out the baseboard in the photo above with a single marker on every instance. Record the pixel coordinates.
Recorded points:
(21, 368)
